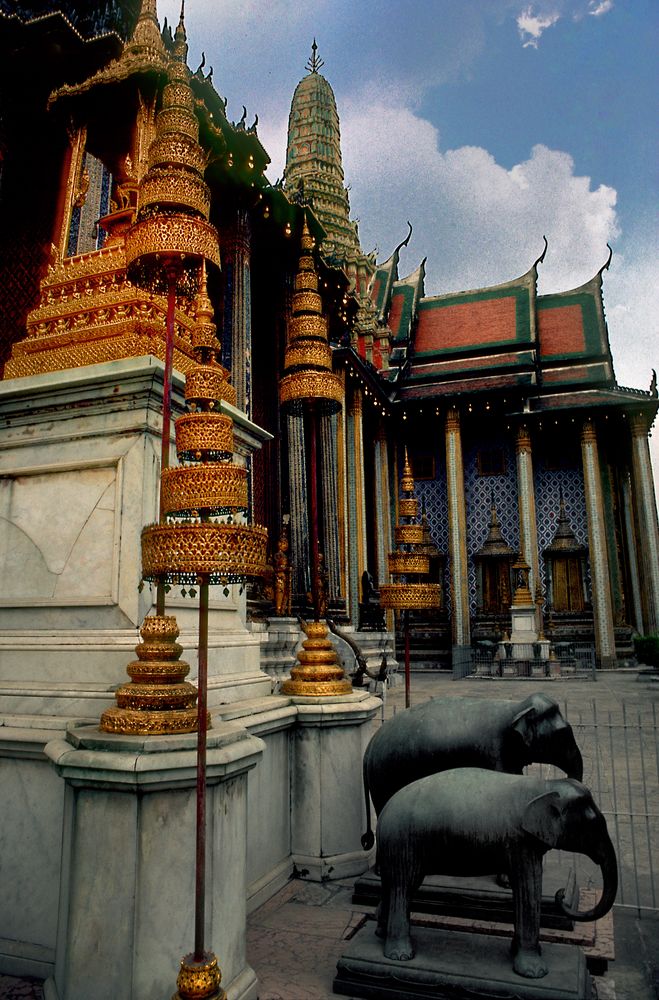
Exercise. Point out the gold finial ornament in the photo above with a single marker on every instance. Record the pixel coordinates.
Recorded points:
(308, 375)
(199, 980)
(317, 670)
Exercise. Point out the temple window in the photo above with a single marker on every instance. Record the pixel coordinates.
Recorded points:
(92, 201)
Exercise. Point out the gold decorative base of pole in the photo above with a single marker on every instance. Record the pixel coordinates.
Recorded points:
(318, 671)
(157, 701)
(199, 980)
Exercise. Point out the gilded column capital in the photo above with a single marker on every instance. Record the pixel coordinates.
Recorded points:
(357, 402)
(588, 433)
(523, 440)
(453, 419)
(639, 424)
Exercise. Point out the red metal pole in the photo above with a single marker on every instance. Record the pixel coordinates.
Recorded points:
(202, 698)
(166, 406)
(407, 659)
(313, 501)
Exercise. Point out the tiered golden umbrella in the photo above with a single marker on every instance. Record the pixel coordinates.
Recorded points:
(410, 564)
(207, 543)
(308, 386)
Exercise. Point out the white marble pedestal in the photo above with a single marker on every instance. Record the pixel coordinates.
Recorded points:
(126, 915)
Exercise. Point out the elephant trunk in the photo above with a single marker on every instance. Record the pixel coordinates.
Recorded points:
(606, 859)
(573, 763)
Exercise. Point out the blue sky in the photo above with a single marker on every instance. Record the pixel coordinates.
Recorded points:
(486, 123)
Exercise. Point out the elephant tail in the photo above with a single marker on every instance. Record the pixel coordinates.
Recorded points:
(368, 838)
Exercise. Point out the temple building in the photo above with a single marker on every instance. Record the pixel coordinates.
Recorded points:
(528, 462)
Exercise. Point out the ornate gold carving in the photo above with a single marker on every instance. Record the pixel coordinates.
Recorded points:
(183, 552)
(135, 722)
(178, 119)
(177, 94)
(310, 385)
(216, 488)
(410, 596)
(588, 432)
(157, 700)
(408, 506)
(408, 562)
(317, 670)
(307, 353)
(408, 534)
(306, 281)
(203, 435)
(199, 980)
(160, 186)
(208, 383)
(310, 302)
(307, 326)
(163, 236)
(178, 149)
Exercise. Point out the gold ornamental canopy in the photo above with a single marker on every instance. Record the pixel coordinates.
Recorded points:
(308, 375)
(172, 235)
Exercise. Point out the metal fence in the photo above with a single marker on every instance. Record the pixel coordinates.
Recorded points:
(532, 659)
(621, 768)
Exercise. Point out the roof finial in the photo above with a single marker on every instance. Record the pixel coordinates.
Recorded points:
(180, 37)
(315, 62)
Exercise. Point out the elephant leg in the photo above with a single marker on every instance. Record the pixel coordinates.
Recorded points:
(526, 881)
(398, 943)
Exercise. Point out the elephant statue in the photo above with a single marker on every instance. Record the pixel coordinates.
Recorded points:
(465, 732)
(471, 821)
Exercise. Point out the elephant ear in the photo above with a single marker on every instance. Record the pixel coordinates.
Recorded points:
(521, 724)
(542, 818)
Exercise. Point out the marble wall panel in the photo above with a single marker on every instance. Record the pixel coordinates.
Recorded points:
(30, 846)
(57, 537)
(268, 809)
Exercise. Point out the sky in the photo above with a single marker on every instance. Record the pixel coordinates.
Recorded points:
(486, 123)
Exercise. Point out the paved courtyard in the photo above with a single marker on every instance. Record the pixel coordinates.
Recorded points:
(295, 939)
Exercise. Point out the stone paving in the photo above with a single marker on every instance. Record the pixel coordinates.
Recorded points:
(295, 939)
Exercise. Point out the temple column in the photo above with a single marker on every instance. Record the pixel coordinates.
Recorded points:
(630, 541)
(646, 519)
(356, 502)
(331, 549)
(383, 539)
(457, 537)
(297, 490)
(605, 646)
(241, 311)
(528, 529)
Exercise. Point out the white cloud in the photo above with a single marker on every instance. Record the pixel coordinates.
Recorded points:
(531, 26)
(598, 7)
(478, 222)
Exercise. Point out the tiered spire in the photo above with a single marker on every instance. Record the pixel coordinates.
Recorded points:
(314, 166)
(410, 563)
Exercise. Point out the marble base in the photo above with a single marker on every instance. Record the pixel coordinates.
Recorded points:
(452, 965)
(126, 913)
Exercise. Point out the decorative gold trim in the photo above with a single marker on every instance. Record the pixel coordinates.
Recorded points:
(132, 722)
(309, 302)
(310, 385)
(306, 281)
(178, 150)
(317, 670)
(156, 696)
(306, 326)
(184, 552)
(408, 534)
(164, 236)
(198, 434)
(410, 596)
(164, 187)
(199, 980)
(214, 487)
(309, 352)
(408, 507)
(408, 562)
(209, 383)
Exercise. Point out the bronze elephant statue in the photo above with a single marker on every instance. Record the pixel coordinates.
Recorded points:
(445, 733)
(470, 821)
